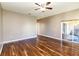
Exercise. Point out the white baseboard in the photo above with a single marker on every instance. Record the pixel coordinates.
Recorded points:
(2, 43)
(1, 48)
(59, 39)
(51, 37)
(18, 40)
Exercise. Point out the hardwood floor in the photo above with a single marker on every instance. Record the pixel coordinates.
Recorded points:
(41, 46)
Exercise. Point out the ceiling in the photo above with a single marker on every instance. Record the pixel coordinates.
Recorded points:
(28, 8)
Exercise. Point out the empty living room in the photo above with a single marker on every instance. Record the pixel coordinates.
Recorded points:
(39, 28)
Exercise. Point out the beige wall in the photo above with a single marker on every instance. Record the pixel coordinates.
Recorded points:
(18, 26)
(0, 23)
(51, 26)
(1, 39)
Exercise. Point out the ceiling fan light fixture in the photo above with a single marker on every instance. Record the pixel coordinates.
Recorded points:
(44, 6)
(42, 9)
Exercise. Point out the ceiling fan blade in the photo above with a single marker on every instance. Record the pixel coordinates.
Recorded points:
(48, 3)
(37, 4)
(49, 8)
(37, 9)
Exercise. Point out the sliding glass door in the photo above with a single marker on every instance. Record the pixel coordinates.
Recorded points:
(70, 37)
(70, 30)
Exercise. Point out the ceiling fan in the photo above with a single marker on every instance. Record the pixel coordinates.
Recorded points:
(44, 6)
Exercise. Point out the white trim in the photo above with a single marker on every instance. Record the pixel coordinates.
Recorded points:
(18, 39)
(50, 36)
(1, 48)
(59, 38)
(2, 43)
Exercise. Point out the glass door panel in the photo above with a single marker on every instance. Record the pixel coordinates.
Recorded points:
(70, 37)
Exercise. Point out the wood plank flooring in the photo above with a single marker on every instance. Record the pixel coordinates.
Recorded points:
(41, 46)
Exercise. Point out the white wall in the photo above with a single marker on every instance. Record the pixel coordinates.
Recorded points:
(18, 26)
(52, 24)
(1, 39)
